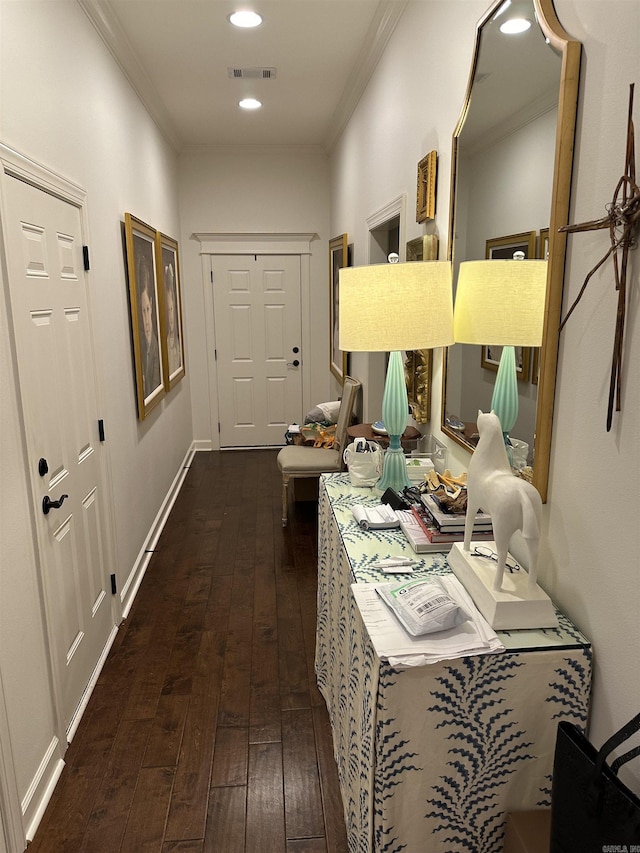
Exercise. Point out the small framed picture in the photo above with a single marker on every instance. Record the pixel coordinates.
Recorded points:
(423, 248)
(490, 360)
(543, 244)
(505, 248)
(338, 258)
(145, 314)
(170, 291)
(426, 189)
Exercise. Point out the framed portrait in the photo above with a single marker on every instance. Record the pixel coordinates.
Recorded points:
(543, 244)
(491, 360)
(140, 242)
(426, 189)
(170, 302)
(504, 248)
(338, 258)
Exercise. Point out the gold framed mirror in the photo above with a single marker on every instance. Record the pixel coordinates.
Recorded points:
(512, 159)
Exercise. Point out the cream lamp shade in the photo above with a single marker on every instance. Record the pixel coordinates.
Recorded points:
(500, 303)
(389, 307)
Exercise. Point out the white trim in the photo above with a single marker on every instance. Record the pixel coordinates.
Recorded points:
(132, 584)
(237, 243)
(77, 716)
(395, 207)
(41, 788)
(12, 828)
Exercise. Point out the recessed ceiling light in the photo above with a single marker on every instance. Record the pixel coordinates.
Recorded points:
(249, 104)
(515, 25)
(245, 18)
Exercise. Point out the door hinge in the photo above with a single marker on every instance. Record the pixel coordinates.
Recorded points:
(218, 427)
(85, 258)
(114, 588)
(215, 355)
(211, 274)
(101, 429)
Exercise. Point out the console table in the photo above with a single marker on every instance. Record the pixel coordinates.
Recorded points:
(432, 758)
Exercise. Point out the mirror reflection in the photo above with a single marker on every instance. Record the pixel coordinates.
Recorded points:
(504, 188)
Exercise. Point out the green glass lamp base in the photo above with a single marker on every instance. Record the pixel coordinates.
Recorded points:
(504, 401)
(395, 411)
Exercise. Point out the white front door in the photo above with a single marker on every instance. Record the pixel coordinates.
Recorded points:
(48, 290)
(258, 347)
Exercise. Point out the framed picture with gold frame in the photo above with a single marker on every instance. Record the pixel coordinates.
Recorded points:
(338, 258)
(423, 248)
(140, 240)
(543, 244)
(504, 248)
(170, 302)
(426, 190)
(491, 360)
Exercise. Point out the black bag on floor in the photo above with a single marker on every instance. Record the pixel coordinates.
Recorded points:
(591, 809)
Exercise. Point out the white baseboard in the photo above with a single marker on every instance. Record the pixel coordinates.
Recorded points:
(41, 788)
(132, 584)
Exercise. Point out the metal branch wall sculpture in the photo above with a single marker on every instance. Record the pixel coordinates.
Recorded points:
(622, 220)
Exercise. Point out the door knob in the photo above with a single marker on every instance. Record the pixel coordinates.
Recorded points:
(293, 363)
(48, 504)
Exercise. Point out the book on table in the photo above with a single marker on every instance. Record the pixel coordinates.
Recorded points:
(416, 535)
(436, 534)
(453, 522)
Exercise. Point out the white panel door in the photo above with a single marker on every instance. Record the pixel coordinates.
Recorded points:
(47, 284)
(258, 345)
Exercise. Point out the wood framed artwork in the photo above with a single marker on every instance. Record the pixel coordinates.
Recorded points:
(490, 360)
(543, 244)
(423, 248)
(504, 248)
(170, 303)
(338, 258)
(426, 189)
(140, 241)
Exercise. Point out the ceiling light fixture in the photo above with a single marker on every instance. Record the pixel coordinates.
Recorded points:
(249, 104)
(245, 18)
(514, 26)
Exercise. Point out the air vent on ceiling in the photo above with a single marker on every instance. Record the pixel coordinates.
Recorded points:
(252, 73)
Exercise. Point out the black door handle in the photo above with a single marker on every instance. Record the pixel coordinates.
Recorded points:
(48, 504)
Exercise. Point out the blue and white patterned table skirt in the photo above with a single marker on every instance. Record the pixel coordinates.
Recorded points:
(431, 759)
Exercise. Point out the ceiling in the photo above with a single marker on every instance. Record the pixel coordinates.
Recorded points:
(177, 55)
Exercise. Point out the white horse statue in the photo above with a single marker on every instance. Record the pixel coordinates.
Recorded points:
(512, 503)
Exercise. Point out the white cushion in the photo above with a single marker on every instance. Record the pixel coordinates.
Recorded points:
(295, 459)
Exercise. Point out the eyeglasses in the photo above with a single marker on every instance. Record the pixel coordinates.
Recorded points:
(487, 553)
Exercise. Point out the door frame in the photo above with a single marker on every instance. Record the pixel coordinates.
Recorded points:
(14, 165)
(259, 243)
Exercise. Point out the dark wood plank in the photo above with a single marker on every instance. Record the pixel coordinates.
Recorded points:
(302, 800)
(307, 845)
(145, 827)
(106, 824)
(167, 727)
(230, 757)
(226, 822)
(265, 799)
(332, 807)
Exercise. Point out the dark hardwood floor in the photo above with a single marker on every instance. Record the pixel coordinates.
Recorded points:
(205, 732)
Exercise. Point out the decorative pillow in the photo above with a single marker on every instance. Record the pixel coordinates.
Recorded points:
(324, 413)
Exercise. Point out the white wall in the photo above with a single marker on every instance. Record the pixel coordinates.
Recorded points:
(65, 104)
(251, 190)
(591, 544)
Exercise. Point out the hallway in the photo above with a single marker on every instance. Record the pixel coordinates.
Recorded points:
(205, 732)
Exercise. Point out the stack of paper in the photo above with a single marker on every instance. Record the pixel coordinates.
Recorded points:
(394, 644)
(375, 517)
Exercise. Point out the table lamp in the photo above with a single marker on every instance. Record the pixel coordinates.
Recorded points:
(390, 308)
(501, 303)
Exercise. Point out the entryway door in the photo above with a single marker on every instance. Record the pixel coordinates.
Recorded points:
(53, 339)
(258, 341)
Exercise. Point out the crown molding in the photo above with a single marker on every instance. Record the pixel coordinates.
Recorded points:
(382, 27)
(109, 28)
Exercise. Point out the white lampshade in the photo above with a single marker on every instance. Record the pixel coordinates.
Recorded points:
(500, 303)
(391, 307)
